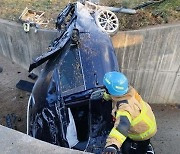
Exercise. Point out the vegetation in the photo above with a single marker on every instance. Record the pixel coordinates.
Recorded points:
(12, 9)
(166, 12)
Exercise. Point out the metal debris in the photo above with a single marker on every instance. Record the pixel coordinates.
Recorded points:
(178, 9)
(25, 85)
(32, 18)
(10, 121)
(148, 3)
(32, 76)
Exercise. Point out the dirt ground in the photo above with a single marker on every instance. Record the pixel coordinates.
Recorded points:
(167, 139)
(14, 101)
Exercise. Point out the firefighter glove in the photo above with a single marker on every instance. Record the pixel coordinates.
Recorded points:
(112, 149)
(106, 96)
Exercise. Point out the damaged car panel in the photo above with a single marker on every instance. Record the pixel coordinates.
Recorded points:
(68, 93)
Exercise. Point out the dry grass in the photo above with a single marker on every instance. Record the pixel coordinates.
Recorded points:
(12, 9)
(166, 12)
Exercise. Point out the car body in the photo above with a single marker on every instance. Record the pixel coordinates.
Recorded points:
(66, 106)
(71, 83)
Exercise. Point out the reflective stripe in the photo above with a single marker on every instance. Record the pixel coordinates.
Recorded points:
(147, 120)
(120, 88)
(141, 116)
(124, 113)
(108, 82)
(117, 135)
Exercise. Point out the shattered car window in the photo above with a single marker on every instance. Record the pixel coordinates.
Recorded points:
(71, 71)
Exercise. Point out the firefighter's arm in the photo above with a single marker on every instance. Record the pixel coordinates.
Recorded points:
(120, 130)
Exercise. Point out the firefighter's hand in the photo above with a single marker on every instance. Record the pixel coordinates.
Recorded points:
(112, 149)
(106, 96)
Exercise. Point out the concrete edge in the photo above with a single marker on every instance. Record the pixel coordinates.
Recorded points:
(13, 23)
(14, 142)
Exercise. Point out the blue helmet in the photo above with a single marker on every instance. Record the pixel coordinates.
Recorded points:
(116, 83)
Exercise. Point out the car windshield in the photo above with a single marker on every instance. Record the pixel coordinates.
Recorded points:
(70, 71)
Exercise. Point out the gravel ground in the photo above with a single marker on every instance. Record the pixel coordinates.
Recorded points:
(167, 139)
(14, 101)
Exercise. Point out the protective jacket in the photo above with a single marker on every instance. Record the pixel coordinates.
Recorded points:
(134, 119)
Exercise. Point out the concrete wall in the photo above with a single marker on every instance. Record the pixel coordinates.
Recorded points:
(22, 47)
(14, 142)
(151, 60)
(149, 57)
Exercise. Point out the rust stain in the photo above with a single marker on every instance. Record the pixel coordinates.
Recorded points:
(122, 40)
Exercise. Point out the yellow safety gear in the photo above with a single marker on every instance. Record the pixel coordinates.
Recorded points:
(124, 113)
(117, 135)
(150, 122)
(140, 115)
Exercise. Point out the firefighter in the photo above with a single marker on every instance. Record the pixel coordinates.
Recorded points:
(134, 123)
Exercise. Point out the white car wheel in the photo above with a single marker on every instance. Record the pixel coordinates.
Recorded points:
(107, 21)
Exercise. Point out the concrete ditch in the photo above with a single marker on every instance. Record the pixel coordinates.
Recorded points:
(13, 100)
(149, 57)
(155, 60)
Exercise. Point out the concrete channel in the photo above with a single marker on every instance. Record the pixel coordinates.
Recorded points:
(167, 110)
(13, 100)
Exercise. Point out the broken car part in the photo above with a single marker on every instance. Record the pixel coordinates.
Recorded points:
(10, 121)
(148, 3)
(25, 85)
(32, 76)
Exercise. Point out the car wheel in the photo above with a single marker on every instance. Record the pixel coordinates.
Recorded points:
(107, 21)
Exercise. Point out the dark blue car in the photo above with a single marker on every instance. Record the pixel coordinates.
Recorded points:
(66, 106)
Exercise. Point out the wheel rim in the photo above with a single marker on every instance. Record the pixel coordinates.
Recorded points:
(107, 21)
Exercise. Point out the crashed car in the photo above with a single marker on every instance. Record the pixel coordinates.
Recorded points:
(66, 106)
